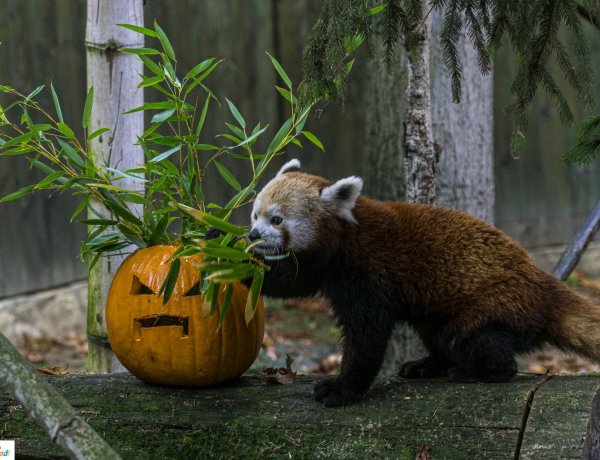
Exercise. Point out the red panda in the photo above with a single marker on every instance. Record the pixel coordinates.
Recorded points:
(471, 293)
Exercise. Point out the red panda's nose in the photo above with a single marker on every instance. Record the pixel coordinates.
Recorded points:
(254, 234)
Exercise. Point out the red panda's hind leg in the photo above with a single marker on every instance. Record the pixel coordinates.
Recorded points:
(486, 354)
(428, 367)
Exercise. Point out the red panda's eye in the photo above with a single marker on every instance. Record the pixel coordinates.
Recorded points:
(276, 220)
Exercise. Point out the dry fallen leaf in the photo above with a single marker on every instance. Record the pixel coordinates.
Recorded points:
(281, 375)
(52, 370)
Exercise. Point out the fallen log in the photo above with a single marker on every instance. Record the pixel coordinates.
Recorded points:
(531, 417)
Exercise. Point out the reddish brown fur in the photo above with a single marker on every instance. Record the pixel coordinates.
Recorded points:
(472, 293)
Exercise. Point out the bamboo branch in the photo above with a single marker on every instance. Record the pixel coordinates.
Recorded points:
(48, 408)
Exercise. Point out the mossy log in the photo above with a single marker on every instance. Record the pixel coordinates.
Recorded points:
(531, 417)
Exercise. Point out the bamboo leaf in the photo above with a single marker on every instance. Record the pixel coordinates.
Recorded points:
(277, 141)
(162, 116)
(49, 180)
(209, 304)
(251, 138)
(280, 71)
(140, 30)
(126, 175)
(211, 220)
(56, 103)
(144, 51)
(166, 289)
(228, 176)
(236, 114)
(18, 194)
(314, 139)
(164, 41)
(97, 133)
(254, 295)
(66, 130)
(71, 153)
(87, 108)
(225, 252)
(199, 68)
(166, 154)
(225, 303)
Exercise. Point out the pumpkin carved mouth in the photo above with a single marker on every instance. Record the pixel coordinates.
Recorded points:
(160, 320)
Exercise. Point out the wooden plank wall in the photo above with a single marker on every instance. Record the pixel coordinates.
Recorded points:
(538, 200)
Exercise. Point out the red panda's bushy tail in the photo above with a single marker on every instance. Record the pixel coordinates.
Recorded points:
(578, 324)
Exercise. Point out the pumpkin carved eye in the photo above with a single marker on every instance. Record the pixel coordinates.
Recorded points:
(139, 288)
(194, 290)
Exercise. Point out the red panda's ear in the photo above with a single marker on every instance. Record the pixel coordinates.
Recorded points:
(342, 196)
(290, 166)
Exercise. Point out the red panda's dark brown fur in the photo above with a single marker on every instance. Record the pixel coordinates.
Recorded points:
(472, 293)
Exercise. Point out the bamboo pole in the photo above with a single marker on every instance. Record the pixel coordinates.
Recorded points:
(114, 76)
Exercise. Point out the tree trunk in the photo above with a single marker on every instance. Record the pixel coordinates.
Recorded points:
(419, 147)
(48, 408)
(114, 76)
(465, 131)
(384, 170)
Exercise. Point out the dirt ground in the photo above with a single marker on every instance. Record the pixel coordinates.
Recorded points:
(308, 334)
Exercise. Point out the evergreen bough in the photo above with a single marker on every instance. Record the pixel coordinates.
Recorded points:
(530, 27)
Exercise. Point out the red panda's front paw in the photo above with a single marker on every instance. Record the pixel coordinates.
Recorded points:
(335, 392)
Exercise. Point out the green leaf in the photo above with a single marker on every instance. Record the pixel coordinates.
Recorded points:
(144, 51)
(236, 114)
(287, 95)
(48, 180)
(56, 103)
(202, 116)
(64, 128)
(159, 231)
(153, 106)
(254, 295)
(280, 71)
(210, 299)
(34, 93)
(236, 272)
(199, 68)
(277, 141)
(97, 133)
(139, 29)
(224, 252)
(211, 220)
(251, 138)
(71, 154)
(228, 176)
(164, 41)
(152, 81)
(87, 108)
(126, 175)
(162, 116)
(80, 207)
(166, 154)
(18, 194)
(153, 66)
(314, 139)
(170, 281)
(225, 303)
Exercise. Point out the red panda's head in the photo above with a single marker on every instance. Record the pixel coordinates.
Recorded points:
(293, 207)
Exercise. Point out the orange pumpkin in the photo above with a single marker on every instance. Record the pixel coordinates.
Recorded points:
(174, 344)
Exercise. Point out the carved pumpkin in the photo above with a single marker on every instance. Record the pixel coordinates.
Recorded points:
(174, 344)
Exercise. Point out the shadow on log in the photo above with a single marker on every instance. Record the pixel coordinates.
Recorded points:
(532, 417)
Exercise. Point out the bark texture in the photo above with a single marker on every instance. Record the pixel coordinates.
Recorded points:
(114, 76)
(42, 403)
(464, 132)
(419, 147)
